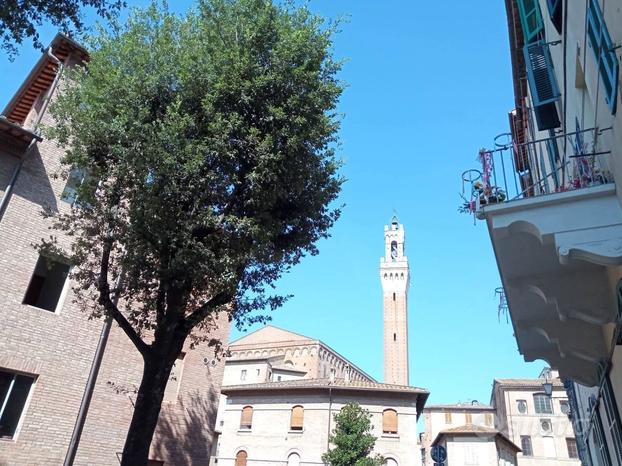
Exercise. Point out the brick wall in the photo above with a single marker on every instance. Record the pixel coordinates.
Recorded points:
(58, 348)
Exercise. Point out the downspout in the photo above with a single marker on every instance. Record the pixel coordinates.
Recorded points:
(330, 412)
(10, 187)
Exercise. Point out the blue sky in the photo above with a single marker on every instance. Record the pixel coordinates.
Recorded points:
(429, 83)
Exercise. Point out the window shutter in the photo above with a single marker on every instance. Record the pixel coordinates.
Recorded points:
(389, 421)
(540, 74)
(530, 18)
(246, 420)
(603, 49)
(543, 85)
(297, 418)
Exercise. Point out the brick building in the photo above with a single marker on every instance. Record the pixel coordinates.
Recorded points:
(47, 343)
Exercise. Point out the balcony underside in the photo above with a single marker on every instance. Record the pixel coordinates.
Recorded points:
(555, 254)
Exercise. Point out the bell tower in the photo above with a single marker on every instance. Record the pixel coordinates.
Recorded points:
(394, 277)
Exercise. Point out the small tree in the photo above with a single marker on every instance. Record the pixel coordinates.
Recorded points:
(19, 20)
(352, 439)
(207, 141)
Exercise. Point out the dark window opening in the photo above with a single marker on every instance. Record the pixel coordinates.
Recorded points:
(46, 284)
(394, 337)
(393, 296)
(14, 390)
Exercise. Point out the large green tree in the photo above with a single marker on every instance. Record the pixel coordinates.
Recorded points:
(208, 143)
(352, 439)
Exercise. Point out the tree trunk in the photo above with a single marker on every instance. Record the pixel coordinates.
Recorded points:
(156, 372)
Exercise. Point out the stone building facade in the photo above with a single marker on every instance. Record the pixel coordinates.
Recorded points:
(47, 343)
(441, 418)
(288, 350)
(289, 422)
(536, 421)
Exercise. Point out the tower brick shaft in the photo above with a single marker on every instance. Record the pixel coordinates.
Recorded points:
(394, 276)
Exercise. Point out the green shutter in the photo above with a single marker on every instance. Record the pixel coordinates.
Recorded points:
(530, 18)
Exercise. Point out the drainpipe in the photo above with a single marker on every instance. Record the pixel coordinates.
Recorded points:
(330, 411)
(9, 190)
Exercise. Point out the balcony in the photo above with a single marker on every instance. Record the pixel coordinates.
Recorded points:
(556, 228)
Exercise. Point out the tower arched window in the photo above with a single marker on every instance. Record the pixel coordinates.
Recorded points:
(393, 250)
(240, 458)
(297, 418)
(246, 418)
(389, 421)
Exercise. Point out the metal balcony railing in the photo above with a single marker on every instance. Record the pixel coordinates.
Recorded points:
(517, 169)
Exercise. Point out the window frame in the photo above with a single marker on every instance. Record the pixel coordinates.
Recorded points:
(527, 450)
(63, 290)
(296, 428)
(24, 408)
(386, 424)
(574, 451)
(536, 404)
(518, 404)
(525, 14)
(246, 427)
(613, 417)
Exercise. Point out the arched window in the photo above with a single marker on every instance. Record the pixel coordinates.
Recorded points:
(293, 459)
(391, 462)
(240, 458)
(389, 421)
(297, 418)
(246, 419)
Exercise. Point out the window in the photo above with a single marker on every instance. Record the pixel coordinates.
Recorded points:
(522, 406)
(278, 378)
(571, 444)
(243, 374)
(447, 417)
(530, 18)
(297, 417)
(604, 53)
(46, 284)
(293, 459)
(389, 421)
(258, 372)
(489, 419)
(468, 418)
(74, 181)
(613, 417)
(240, 458)
(546, 426)
(555, 12)
(542, 403)
(395, 337)
(174, 380)
(525, 442)
(542, 84)
(14, 390)
(393, 296)
(246, 418)
(564, 407)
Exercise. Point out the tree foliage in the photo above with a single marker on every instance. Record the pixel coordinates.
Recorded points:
(352, 439)
(208, 140)
(19, 19)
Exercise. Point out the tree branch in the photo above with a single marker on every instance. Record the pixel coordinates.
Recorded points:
(197, 316)
(108, 304)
